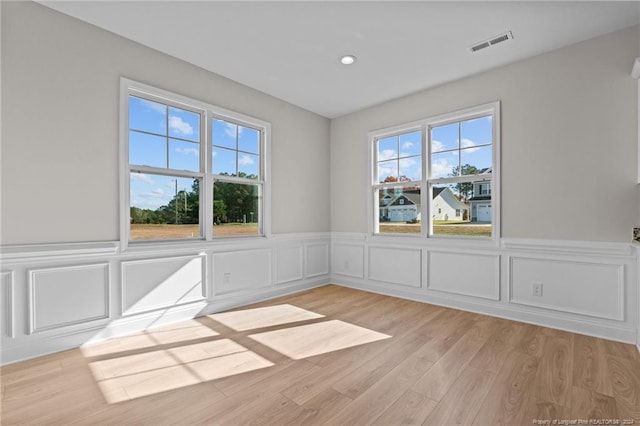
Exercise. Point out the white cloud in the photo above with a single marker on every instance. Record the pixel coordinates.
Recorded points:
(387, 154)
(141, 177)
(180, 126)
(441, 168)
(436, 146)
(468, 143)
(407, 145)
(191, 151)
(245, 160)
(159, 108)
(158, 192)
(230, 129)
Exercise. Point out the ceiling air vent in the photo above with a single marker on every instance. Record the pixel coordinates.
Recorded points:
(491, 42)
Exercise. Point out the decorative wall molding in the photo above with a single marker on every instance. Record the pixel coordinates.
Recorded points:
(553, 247)
(159, 283)
(402, 266)
(598, 278)
(468, 280)
(611, 274)
(57, 299)
(31, 252)
(269, 267)
(317, 260)
(347, 259)
(8, 302)
(289, 263)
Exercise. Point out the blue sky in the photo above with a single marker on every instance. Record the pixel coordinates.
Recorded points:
(451, 145)
(168, 137)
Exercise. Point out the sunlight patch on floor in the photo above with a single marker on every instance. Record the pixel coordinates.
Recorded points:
(314, 339)
(172, 333)
(249, 319)
(149, 373)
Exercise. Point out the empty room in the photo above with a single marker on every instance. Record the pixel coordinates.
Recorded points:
(319, 213)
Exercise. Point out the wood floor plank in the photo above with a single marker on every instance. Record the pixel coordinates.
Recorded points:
(589, 404)
(461, 403)
(625, 379)
(590, 370)
(540, 410)
(437, 381)
(411, 408)
(493, 353)
(442, 366)
(362, 378)
(507, 399)
(554, 378)
(622, 350)
(379, 397)
(531, 340)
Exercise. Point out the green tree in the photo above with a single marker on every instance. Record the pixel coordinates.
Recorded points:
(465, 189)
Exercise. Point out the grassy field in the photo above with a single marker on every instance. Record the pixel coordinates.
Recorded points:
(167, 231)
(439, 228)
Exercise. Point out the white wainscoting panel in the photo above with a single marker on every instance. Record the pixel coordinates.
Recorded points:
(160, 283)
(348, 259)
(68, 295)
(317, 260)
(396, 265)
(464, 273)
(241, 270)
(7, 303)
(593, 289)
(289, 265)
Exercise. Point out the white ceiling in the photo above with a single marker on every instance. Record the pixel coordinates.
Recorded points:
(291, 49)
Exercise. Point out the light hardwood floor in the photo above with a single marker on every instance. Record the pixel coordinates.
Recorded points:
(331, 356)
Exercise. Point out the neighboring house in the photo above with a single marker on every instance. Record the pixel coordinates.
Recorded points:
(446, 206)
(405, 207)
(481, 200)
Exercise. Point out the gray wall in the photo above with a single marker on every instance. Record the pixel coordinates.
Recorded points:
(60, 88)
(568, 141)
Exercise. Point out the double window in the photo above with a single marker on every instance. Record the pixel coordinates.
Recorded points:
(438, 176)
(192, 170)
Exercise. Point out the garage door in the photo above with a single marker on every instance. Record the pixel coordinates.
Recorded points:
(484, 213)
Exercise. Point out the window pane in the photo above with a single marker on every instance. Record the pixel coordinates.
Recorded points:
(410, 144)
(147, 150)
(248, 165)
(388, 171)
(163, 207)
(399, 210)
(248, 140)
(478, 131)
(410, 168)
(454, 211)
(184, 124)
(388, 148)
(224, 134)
(147, 116)
(476, 160)
(224, 161)
(444, 164)
(236, 209)
(444, 137)
(184, 155)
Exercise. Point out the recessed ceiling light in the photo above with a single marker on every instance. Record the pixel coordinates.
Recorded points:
(347, 59)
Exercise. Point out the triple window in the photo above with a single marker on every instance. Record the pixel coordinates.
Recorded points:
(438, 176)
(193, 170)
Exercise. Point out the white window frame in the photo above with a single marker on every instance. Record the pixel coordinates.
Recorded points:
(208, 113)
(427, 183)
